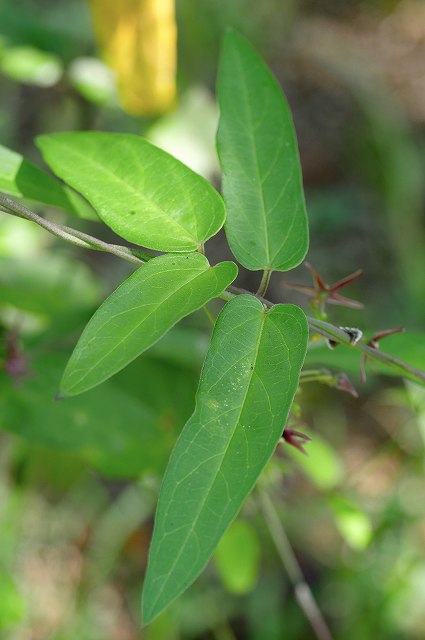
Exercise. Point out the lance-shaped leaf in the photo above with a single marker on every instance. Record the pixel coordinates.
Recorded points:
(246, 390)
(266, 222)
(22, 179)
(139, 312)
(141, 192)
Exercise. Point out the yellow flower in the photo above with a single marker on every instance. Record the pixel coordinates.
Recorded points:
(137, 39)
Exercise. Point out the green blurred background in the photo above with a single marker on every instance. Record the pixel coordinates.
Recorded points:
(77, 483)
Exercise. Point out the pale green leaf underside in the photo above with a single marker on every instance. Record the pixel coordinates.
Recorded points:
(141, 192)
(139, 312)
(266, 223)
(246, 389)
(22, 179)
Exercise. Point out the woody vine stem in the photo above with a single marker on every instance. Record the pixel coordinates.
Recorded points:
(139, 257)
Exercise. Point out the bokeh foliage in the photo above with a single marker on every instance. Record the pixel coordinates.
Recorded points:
(74, 531)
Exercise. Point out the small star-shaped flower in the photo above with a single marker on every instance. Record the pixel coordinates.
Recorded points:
(296, 439)
(321, 292)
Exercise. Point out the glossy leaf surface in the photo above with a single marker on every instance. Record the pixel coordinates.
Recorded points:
(139, 312)
(266, 223)
(141, 192)
(22, 179)
(246, 390)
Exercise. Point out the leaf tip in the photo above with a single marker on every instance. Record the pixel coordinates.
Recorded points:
(62, 394)
(149, 612)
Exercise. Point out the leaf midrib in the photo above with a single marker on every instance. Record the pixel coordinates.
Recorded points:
(154, 309)
(119, 180)
(256, 162)
(190, 532)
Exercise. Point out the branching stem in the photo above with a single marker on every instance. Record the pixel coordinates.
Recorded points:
(77, 238)
(329, 331)
(316, 375)
(265, 280)
(138, 257)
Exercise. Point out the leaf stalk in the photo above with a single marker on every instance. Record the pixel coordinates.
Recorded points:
(265, 280)
(139, 257)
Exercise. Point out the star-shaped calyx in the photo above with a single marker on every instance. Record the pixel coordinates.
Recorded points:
(322, 293)
(296, 439)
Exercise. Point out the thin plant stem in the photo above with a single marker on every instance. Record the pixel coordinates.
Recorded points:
(316, 375)
(209, 314)
(139, 257)
(336, 334)
(227, 295)
(302, 591)
(77, 238)
(313, 374)
(262, 289)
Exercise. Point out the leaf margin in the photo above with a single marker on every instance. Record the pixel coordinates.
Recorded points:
(149, 611)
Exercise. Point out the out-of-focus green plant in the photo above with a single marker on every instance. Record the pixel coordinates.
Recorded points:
(251, 371)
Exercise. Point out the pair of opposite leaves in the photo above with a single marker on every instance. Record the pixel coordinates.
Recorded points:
(252, 367)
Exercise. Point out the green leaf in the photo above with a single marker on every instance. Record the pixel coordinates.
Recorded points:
(266, 223)
(162, 391)
(139, 312)
(21, 179)
(245, 393)
(237, 557)
(48, 285)
(168, 388)
(141, 192)
(116, 431)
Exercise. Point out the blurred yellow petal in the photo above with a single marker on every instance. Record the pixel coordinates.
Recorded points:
(137, 38)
